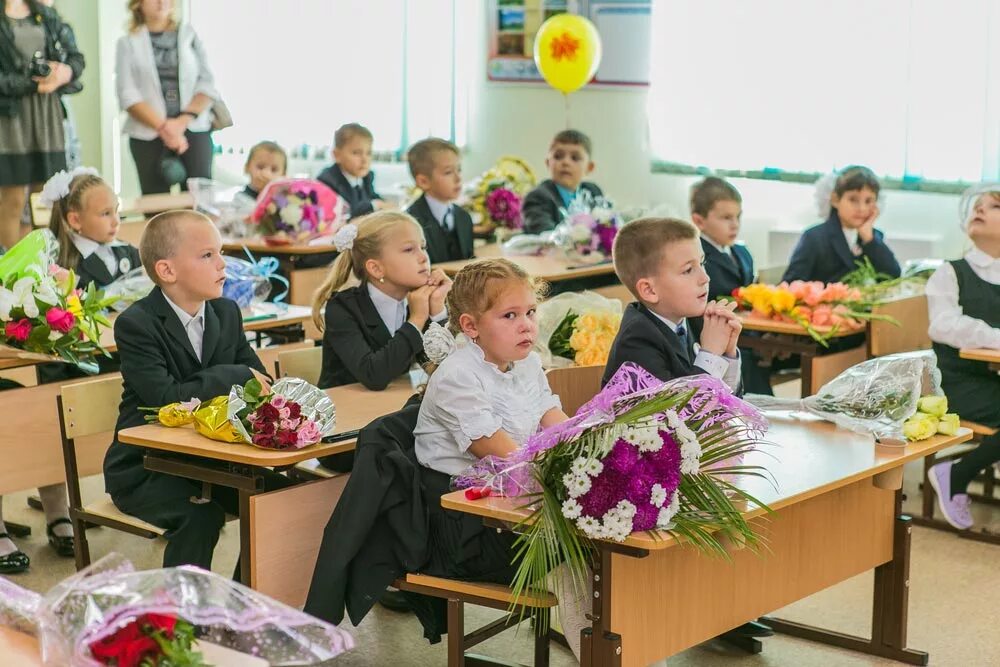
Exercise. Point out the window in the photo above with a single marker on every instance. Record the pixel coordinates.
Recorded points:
(294, 72)
(908, 88)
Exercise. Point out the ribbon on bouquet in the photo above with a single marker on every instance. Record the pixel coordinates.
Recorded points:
(265, 267)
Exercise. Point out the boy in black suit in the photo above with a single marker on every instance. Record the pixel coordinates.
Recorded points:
(351, 175)
(437, 169)
(568, 162)
(182, 341)
(659, 260)
(265, 162)
(716, 207)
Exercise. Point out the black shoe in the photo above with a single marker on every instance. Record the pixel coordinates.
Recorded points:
(394, 600)
(753, 629)
(14, 562)
(64, 546)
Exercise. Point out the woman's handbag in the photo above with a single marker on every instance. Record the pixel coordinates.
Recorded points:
(221, 118)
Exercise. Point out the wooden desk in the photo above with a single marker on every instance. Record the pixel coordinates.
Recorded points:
(149, 205)
(992, 357)
(19, 649)
(836, 514)
(817, 368)
(240, 466)
(551, 268)
(291, 319)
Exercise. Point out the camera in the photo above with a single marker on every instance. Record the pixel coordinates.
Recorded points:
(39, 65)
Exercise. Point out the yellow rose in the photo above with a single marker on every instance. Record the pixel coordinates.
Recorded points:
(581, 339)
(588, 357)
(782, 301)
(920, 426)
(588, 322)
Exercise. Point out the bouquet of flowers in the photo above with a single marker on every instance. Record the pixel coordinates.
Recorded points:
(291, 414)
(494, 199)
(110, 614)
(42, 313)
(642, 455)
(931, 418)
(577, 327)
(821, 309)
(296, 210)
(876, 396)
(875, 287)
(588, 229)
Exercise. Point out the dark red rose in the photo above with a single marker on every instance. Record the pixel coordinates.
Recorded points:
(268, 412)
(287, 439)
(294, 410)
(129, 646)
(265, 428)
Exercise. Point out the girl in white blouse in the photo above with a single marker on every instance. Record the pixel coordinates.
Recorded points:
(486, 398)
(963, 300)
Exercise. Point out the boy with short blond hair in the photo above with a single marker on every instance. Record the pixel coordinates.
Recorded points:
(568, 161)
(436, 167)
(351, 175)
(182, 341)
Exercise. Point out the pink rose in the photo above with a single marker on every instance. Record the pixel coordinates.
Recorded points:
(283, 413)
(279, 402)
(308, 433)
(288, 424)
(18, 331)
(60, 320)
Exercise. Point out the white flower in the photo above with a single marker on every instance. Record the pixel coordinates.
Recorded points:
(438, 342)
(667, 513)
(673, 420)
(689, 466)
(626, 509)
(589, 525)
(577, 485)
(657, 495)
(22, 296)
(594, 467)
(291, 214)
(45, 291)
(344, 238)
(57, 186)
(571, 509)
(579, 466)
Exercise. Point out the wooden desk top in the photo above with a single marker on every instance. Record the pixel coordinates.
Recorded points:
(551, 268)
(19, 649)
(149, 205)
(789, 328)
(356, 408)
(258, 247)
(980, 354)
(283, 318)
(806, 456)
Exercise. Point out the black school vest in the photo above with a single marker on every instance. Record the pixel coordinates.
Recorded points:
(978, 299)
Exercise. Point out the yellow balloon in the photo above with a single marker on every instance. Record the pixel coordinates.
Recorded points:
(567, 51)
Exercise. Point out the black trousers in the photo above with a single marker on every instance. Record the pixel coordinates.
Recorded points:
(197, 160)
(192, 527)
(977, 398)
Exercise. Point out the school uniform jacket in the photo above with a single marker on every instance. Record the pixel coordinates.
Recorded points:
(822, 254)
(436, 235)
(724, 274)
(543, 206)
(159, 367)
(360, 203)
(357, 346)
(93, 270)
(645, 340)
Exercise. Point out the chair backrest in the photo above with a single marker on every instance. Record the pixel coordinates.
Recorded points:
(771, 274)
(575, 385)
(90, 407)
(305, 363)
(40, 214)
(911, 334)
(619, 292)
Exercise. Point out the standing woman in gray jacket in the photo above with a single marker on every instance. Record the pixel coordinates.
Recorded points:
(164, 83)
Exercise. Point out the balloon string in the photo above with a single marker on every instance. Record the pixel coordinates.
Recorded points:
(566, 102)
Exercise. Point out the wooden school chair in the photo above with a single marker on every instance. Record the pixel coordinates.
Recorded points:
(305, 363)
(85, 409)
(771, 275)
(911, 333)
(575, 385)
(619, 292)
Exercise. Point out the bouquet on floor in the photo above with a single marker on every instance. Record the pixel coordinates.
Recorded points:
(588, 229)
(821, 309)
(43, 315)
(876, 396)
(577, 328)
(641, 455)
(111, 614)
(875, 286)
(297, 210)
(290, 414)
(495, 198)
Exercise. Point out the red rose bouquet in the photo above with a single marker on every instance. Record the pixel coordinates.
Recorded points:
(151, 640)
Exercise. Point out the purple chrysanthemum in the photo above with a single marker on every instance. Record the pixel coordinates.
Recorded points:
(504, 207)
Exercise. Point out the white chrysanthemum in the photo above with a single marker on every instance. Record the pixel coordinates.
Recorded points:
(645, 435)
(689, 466)
(667, 513)
(439, 342)
(571, 509)
(684, 434)
(579, 466)
(626, 509)
(577, 485)
(594, 467)
(673, 420)
(291, 214)
(589, 525)
(657, 495)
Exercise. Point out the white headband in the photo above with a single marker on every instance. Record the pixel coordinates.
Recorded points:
(57, 187)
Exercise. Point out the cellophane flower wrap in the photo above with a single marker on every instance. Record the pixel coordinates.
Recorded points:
(43, 316)
(876, 396)
(291, 414)
(297, 210)
(641, 455)
(93, 607)
(227, 206)
(577, 328)
(129, 288)
(248, 281)
(821, 309)
(588, 229)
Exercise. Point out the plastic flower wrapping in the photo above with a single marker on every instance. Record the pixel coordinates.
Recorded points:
(494, 199)
(129, 288)
(227, 206)
(585, 235)
(43, 316)
(876, 396)
(577, 328)
(111, 614)
(297, 210)
(643, 454)
(249, 281)
(822, 309)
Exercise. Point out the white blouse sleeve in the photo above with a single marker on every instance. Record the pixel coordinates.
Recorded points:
(463, 408)
(546, 399)
(948, 324)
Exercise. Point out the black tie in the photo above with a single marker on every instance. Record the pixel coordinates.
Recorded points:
(732, 258)
(359, 192)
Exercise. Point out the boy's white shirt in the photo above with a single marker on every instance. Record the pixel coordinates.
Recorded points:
(720, 367)
(948, 324)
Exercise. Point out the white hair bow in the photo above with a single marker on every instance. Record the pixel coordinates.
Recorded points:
(57, 187)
